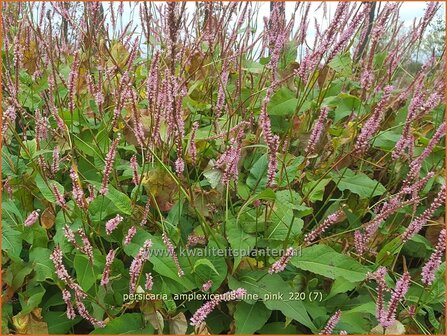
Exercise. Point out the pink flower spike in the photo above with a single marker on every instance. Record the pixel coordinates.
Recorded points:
(432, 265)
(331, 323)
(110, 158)
(113, 223)
(32, 218)
(281, 264)
(106, 273)
(137, 265)
(130, 234)
(134, 166)
(66, 296)
(329, 221)
(171, 251)
(207, 286)
(149, 282)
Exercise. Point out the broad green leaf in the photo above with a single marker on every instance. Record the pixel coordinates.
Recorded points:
(85, 272)
(342, 64)
(46, 189)
(283, 102)
(119, 199)
(282, 220)
(267, 287)
(323, 260)
(31, 299)
(386, 140)
(205, 263)
(29, 150)
(129, 323)
(42, 264)
(250, 317)
(239, 240)
(58, 323)
(340, 285)
(359, 184)
(11, 241)
(314, 190)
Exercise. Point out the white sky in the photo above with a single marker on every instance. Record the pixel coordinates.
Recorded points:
(408, 12)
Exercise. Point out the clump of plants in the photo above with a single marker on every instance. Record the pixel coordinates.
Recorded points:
(194, 168)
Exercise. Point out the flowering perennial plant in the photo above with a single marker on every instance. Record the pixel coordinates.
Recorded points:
(222, 168)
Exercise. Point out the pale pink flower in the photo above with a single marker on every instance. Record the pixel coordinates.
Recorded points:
(137, 265)
(281, 264)
(32, 218)
(329, 221)
(110, 158)
(86, 246)
(147, 207)
(201, 314)
(417, 224)
(66, 296)
(331, 323)
(192, 145)
(432, 265)
(59, 197)
(171, 251)
(106, 273)
(317, 130)
(78, 193)
(388, 317)
(373, 123)
(207, 286)
(130, 234)
(111, 224)
(134, 166)
(149, 282)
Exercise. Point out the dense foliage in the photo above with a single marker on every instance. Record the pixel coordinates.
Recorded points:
(284, 181)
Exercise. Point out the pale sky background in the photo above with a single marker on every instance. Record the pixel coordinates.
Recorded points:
(408, 12)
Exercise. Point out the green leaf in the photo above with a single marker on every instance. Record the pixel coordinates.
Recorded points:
(278, 328)
(204, 272)
(266, 194)
(258, 174)
(344, 105)
(386, 255)
(11, 241)
(42, 264)
(213, 176)
(58, 323)
(342, 64)
(340, 285)
(359, 184)
(386, 140)
(31, 148)
(205, 263)
(130, 323)
(46, 189)
(85, 272)
(31, 299)
(315, 189)
(250, 317)
(239, 240)
(253, 67)
(283, 102)
(267, 287)
(119, 199)
(323, 260)
(281, 220)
